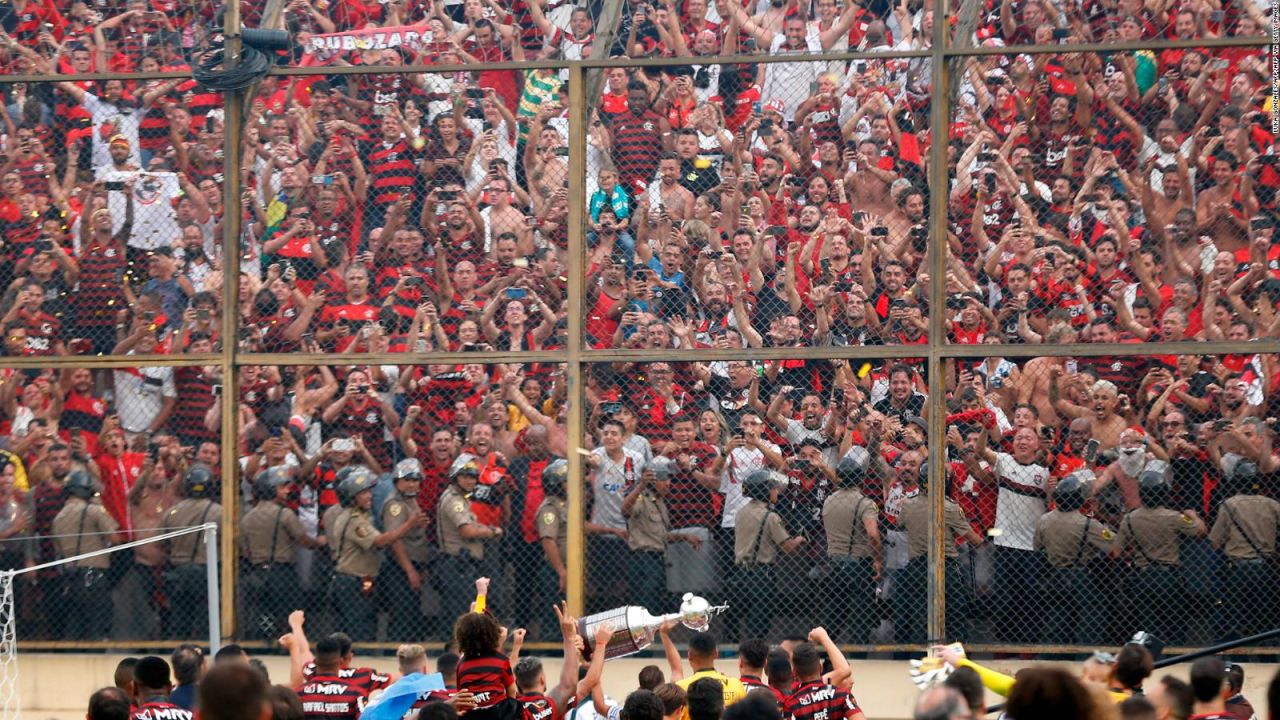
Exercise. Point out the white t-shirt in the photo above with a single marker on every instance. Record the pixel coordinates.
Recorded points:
(155, 223)
(140, 394)
(612, 479)
(1017, 510)
(123, 116)
(740, 463)
(789, 82)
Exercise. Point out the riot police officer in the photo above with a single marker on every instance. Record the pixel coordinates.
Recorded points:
(402, 591)
(915, 518)
(1245, 531)
(758, 535)
(1072, 543)
(851, 521)
(186, 581)
(553, 529)
(1153, 535)
(270, 534)
(83, 526)
(460, 537)
(355, 545)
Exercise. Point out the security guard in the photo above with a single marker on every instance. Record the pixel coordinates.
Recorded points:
(851, 521)
(648, 526)
(553, 527)
(355, 546)
(1153, 533)
(402, 591)
(84, 526)
(1072, 542)
(758, 535)
(1245, 532)
(186, 581)
(270, 534)
(915, 518)
(460, 537)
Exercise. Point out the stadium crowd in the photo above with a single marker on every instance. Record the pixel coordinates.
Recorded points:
(1119, 198)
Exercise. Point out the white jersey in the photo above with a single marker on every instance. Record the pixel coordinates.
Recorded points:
(1020, 501)
(155, 223)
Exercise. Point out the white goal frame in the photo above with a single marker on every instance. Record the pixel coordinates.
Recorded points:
(8, 620)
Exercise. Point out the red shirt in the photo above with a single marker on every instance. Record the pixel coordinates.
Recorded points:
(119, 474)
(487, 678)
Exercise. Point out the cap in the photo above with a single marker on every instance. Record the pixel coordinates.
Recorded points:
(775, 105)
(919, 422)
(120, 140)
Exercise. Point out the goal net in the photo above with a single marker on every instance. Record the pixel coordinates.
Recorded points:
(10, 703)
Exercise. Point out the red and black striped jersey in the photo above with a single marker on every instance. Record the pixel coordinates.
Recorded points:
(197, 397)
(637, 143)
(487, 678)
(365, 677)
(160, 710)
(101, 269)
(328, 696)
(753, 682)
(393, 167)
(537, 707)
(817, 700)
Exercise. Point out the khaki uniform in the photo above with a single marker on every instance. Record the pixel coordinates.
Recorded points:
(1156, 590)
(844, 517)
(1070, 542)
(330, 518)
(648, 523)
(189, 549)
(356, 562)
(186, 581)
(1245, 531)
(852, 573)
(81, 518)
(758, 533)
(1254, 516)
(910, 622)
(452, 512)
(353, 547)
(397, 511)
(914, 518)
(553, 523)
(747, 550)
(1155, 534)
(85, 582)
(1070, 539)
(269, 535)
(459, 564)
(403, 604)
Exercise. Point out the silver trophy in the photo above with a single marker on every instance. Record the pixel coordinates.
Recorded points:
(634, 627)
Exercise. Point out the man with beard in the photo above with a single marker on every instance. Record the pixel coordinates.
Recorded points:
(1024, 484)
(491, 498)
(1161, 206)
(903, 402)
(460, 237)
(715, 312)
(909, 215)
(674, 197)
(1056, 139)
(528, 472)
(409, 555)
(1107, 409)
(1117, 489)
(810, 426)
(892, 287)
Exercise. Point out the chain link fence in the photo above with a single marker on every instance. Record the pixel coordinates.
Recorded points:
(306, 542)
(94, 458)
(1112, 509)
(1126, 197)
(754, 206)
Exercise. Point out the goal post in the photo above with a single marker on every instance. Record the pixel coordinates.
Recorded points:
(9, 700)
